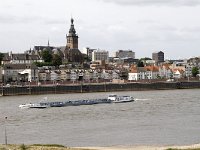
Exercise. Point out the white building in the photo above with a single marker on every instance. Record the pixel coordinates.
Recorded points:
(95, 75)
(177, 73)
(115, 75)
(88, 51)
(165, 72)
(19, 72)
(188, 70)
(125, 54)
(64, 75)
(100, 55)
(54, 76)
(140, 73)
(73, 76)
(136, 76)
(42, 76)
(87, 75)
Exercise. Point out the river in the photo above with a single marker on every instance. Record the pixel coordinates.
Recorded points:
(162, 117)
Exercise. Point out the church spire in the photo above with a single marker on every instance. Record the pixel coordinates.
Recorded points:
(72, 29)
(48, 43)
(72, 21)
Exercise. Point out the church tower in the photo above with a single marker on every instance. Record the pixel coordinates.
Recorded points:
(72, 37)
(72, 53)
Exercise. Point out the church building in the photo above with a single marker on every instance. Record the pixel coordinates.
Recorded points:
(69, 53)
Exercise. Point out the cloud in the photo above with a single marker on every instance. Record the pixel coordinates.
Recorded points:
(7, 19)
(54, 21)
(156, 2)
(12, 19)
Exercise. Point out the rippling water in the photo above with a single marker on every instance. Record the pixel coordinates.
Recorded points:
(166, 117)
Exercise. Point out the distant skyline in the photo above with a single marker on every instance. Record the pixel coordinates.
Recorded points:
(144, 26)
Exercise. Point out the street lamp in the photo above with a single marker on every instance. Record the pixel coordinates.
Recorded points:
(2, 94)
(29, 87)
(6, 141)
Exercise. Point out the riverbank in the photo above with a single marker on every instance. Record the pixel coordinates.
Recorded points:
(60, 147)
(96, 87)
(190, 147)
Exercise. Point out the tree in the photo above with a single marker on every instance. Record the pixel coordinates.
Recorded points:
(56, 60)
(145, 58)
(140, 63)
(123, 74)
(40, 64)
(46, 55)
(195, 71)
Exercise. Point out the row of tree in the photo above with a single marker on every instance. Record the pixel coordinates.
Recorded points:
(195, 71)
(49, 59)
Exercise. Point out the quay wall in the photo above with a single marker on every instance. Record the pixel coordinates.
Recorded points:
(87, 88)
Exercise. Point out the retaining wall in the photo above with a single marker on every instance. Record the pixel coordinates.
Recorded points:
(86, 88)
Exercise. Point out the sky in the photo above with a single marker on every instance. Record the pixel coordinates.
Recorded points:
(144, 26)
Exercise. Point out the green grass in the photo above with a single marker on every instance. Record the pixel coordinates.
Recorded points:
(23, 147)
(36, 147)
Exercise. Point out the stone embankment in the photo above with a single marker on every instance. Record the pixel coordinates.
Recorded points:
(101, 87)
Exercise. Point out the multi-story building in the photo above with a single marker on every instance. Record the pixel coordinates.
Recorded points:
(158, 57)
(19, 72)
(180, 65)
(136, 73)
(88, 52)
(191, 63)
(152, 72)
(73, 75)
(140, 73)
(95, 75)
(188, 70)
(87, 75)
(10, 58)
(42, 75)
(165, 71)
(55, 75)
(178, 73)
(63, 75)
(115, 75)
(106, 75)
(1, 76)
(100, 55)
(125, 54)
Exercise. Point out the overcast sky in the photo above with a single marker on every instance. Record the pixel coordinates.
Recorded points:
(144, 26)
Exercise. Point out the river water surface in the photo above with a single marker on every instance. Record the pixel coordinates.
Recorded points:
(166, 117)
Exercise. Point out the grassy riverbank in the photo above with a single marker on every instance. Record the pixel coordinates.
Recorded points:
(37, 147)
(60, 147)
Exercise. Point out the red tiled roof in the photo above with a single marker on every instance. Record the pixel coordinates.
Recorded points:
(180, 70)
(152, 68)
